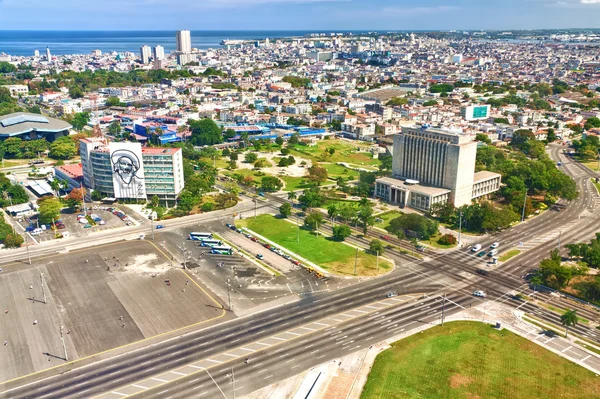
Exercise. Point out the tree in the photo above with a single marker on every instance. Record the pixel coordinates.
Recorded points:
(285, 209)
(420, 226)
(447, 239)
(250, 157)
(75, 92)
(112, 102)
(270, 184)
(97, 195)
(365, 215)
(205, 132)
(311, 198)
(317, 174)
(294, 139)
(80, 120)
(55, 185)
(49, 209)
(187, 201)
(13, 240)
(75, 197)
(484, 138)
(551, 136)
(568, 319)
(12, 147)
(396, 101)
(114, 128)
(154, 201)
(279, 141)
(313, 220)
(341, 232)
(332, 211)
(292, 196)
(386, 163)
(62, 148)
(376, 247)
(233, 156)
(536, 281)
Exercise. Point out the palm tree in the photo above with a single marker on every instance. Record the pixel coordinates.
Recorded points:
(55, 185)
(292, 196)
(332, 211)
(363, 201)
(568, 319)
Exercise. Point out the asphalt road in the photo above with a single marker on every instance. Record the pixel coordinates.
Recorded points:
(412, 276)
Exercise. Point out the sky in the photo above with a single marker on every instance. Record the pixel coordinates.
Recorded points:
(329, 15)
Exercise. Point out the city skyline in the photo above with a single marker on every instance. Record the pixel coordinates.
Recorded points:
(301, 15)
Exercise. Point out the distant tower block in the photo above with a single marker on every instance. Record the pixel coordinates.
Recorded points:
(184, 41)
(48, 55)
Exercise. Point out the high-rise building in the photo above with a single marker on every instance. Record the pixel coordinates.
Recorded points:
(36, 53)
(433, 166)
(475, 112)
(159, 53)
(48, 55)
(96, 53)
(184, 41)
(186, 58)
(125, 170)
(145, 54)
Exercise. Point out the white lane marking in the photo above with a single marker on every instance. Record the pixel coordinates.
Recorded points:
(158, 379)
(115, 392)
(178, 373)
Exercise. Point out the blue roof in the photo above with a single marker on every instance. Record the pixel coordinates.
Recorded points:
(23, 118)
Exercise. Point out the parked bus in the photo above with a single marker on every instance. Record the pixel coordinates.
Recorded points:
(200, 236)
(211, 243)
(223, 250)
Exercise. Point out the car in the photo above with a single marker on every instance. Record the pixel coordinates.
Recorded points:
(248, 235)
(387, 238)
(239, 231)
(493, 252)
(295, 262)
(273, 249)
(479, 293)
(254, 239)
(259, 256)
(495, 245)
(102, 223)
(476, 248)
(286, 256)
(482, 272)
(391, 294)
(30, 229)
(129, 223)
(87, 226)
(481, 254)
(159, 226)
(266, 246)
(229, 225)
(232, 227)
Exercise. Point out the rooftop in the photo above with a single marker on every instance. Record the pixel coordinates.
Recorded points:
(429, 190)
(73, 170)
(160, 151)
(24, 122)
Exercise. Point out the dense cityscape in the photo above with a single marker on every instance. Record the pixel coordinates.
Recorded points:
(322, 215)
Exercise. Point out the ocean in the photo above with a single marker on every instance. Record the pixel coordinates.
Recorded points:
(83, 42)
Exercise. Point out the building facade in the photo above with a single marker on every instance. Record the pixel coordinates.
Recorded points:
(432, 166)
(159, 53)
(145, 53)
(184, 41)
(475, 112)
(125, 170)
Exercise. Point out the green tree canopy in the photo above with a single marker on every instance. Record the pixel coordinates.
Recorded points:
(205, 132)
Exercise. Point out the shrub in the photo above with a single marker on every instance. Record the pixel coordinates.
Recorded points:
(447, 239)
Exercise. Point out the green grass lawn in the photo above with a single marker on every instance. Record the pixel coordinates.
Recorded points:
(344, 152)
(433, 242)
(294, 183)
(335, 171)
(334, 256)
(508, 255)
(472, 360)
(387, 217)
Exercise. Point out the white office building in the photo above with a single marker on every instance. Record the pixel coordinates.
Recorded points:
(184, 41)
(159, 53)
(145, 54)
(125, 170)
(432, 166)
(48, 55)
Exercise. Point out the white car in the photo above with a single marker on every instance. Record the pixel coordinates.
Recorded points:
(480, 294)
(476, 247)
(495, 245)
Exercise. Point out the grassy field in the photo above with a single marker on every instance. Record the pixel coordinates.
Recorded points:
(335, 171)
(472, 360)
(386, 218)
(433, 242)
(508, 255)
(334, 256)
(344, 152)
